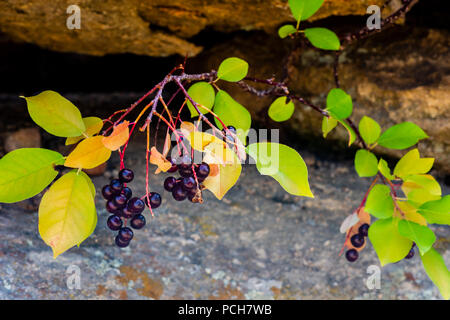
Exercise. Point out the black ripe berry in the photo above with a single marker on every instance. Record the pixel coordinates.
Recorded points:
(112, 207)
(116, 186)
(136, 205)
(114, 222)
(107, 192)
(155, 200)
(191, 194)
(179, 193)
(138, 222)
(351, 255)
(169, 183)
(185, 162)
(186, 172)
(364, 230)
(126, 175)
(203, 170)
(188, 183)
(121, 243)
(126, 192)
(357, 240)
(410, 254)
(120, 201)
(125, 234)
(127, 213)
(174, 167)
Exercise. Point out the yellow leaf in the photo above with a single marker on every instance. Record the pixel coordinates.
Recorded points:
(200, 140)
(158, 159)
(118, 137)
(93, 126)
(67, 213)
(90, 153)
(411, 213)
(411, 163)
(228, 170)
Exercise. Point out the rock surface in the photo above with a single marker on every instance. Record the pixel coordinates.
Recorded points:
(155, 28)
(23, 138)
(258, 243)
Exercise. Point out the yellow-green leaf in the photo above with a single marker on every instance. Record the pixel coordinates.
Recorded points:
(438, 272)
(286, 30)
(232, 69)
(437, 211)
(67, 213)
(421, 188)
(385, 170)
(328, 124)
(350, 131)
(421, 235)
(284, 164)
(388, 243)
(366, 164)
(89, 154)
(370, 130)
(93, 126)
(26, 172)
(379, 202)
(55, 114)
(411, 163)
(280, 111)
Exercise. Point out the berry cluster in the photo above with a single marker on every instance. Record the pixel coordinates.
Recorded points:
(357, 241)
(188, 185)
(411, 252)
(123, 206)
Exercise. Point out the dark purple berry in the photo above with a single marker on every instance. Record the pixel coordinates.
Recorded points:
(127, 213)
(410, 254)
(120, 201)
(155, 200)
(203, 170)
(121, 243)
(126, 192)
(357, 240)
(136, 205)
(364, 230)
(186, 172)
(188, 183)
(116, 186)
(179, 193)
(111, 206)
(351, 255)
(126, 175)
(174, 167)
(169, 183)
(107, 192)
(138, 222)
(185, 162)
(114, 222)
(191, 194)
(125, 234)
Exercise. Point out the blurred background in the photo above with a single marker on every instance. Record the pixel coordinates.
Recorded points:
(258, 242)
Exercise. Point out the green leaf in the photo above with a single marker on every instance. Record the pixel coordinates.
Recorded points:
(232, 70)
(284, 164)
(401, 136)
(388, 243)
(437, 211)
(280, 111)
(286, 30)
(350, 131)
(26, 172)
(369, 129)
(304, 9)
(421, 235)
(55, 114)
(93, 191)
(411, 163)
(339, 104)
(203, 93)
(385, 170)
(232, 114)
(323, 38)
(67, 213)
(436, 269)
(328, 124)
(379, 202)
(366, 164)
